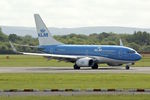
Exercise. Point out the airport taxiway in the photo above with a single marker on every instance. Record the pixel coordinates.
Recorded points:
(145, 70)
(67, 93)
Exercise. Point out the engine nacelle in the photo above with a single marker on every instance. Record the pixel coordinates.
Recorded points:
(85, 62)
(114, 64)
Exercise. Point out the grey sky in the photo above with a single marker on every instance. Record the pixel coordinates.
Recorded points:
(76, 13)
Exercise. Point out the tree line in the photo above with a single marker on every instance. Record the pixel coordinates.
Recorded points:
(140, 41)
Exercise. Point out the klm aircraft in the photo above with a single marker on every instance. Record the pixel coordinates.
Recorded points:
(82, 55)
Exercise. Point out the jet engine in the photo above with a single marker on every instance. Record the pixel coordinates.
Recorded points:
(85, 62)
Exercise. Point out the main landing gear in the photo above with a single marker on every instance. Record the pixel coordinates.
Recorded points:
(95, 66)
(76, 67)
(127, 67)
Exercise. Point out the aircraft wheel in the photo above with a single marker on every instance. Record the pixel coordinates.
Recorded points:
(76, 67)
(95, 66)
(127, 67)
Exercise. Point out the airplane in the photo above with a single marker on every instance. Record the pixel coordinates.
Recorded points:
(81, 55)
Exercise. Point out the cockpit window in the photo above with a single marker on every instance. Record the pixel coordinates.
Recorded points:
(131, 52)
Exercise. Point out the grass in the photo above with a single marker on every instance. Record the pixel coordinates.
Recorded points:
(31, 61)
(144, 62)
(83, 97)
(75, 81)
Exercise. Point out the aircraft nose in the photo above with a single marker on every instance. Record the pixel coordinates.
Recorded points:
(138, 56)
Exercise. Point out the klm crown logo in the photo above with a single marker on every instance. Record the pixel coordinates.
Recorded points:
(43, 33)
(42, 30)
(99, 49)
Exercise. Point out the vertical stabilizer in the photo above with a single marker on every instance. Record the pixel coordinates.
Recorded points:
(44, 36)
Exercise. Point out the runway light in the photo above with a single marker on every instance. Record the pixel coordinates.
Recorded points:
(7, 57)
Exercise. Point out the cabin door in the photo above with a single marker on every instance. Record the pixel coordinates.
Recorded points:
(51, 50)
(120, 53)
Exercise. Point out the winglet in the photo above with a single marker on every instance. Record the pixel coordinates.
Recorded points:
(12, 46)
(121, 43)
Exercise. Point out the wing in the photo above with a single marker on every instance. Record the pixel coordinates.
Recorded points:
(70, 58)
(51, 55)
